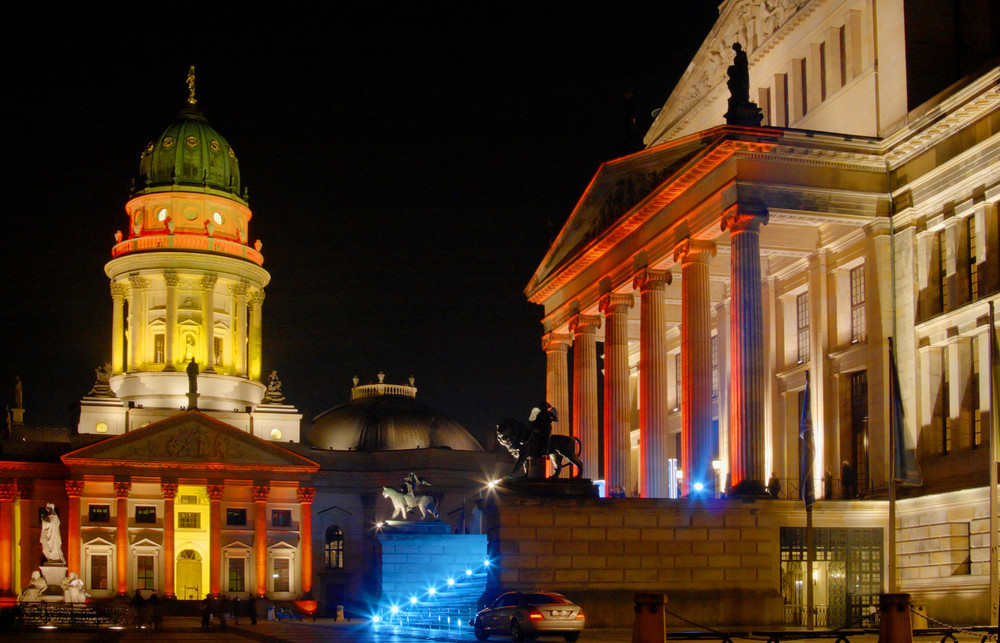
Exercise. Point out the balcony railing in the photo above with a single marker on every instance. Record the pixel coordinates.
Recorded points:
(186, 242)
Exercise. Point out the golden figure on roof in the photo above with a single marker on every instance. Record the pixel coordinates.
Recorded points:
(190, 83)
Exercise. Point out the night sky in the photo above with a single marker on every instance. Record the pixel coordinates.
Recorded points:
(408, 165)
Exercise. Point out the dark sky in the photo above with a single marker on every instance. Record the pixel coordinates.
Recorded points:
(408, 165)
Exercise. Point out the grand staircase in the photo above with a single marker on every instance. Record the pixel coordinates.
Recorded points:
(448, 610)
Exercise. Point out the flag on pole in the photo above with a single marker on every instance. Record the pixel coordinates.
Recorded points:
(807, 448)
(906, 471)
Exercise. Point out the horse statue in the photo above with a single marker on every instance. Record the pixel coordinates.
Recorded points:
(538, 441)
(404, 503)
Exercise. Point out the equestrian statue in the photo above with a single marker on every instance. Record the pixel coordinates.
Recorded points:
(538, 442)
(407, 499)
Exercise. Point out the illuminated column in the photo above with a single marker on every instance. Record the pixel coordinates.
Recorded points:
(240, 323)
(25, 492)
(260, 494)
(653, 436)
(121, 536)
(723, 339)
(556, 349)
(584, 329)
(254, 349)
(215, 538)
(747, 367)
(617, 445)
(305, 496)
(169, 492)
(698, 445)
(170, 332)
(7, 494)
(71, 548)
(135, 325)
(118, 294)
(208, 320)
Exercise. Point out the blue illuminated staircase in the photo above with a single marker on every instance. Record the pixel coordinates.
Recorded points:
(448, 609)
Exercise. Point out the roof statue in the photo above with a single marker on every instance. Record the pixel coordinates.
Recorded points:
(741, 110)
(101, 387)
(190, 83)
(538, 442)
(18, 394)
(273, 394)
(192, 394)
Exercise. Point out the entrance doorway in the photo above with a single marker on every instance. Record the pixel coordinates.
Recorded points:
(846, 574)
(188, 578)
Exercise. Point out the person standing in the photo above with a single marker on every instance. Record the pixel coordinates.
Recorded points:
(206, 612)
(236, 610)
(849, 480)
(252, 606)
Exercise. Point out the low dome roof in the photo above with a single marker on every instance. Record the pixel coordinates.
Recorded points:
(387, 422)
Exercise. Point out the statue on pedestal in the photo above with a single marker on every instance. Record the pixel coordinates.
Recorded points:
(538, 442)
(36, 587)
(72, 587)
(408, 499)
(741, 110)
(50, 538)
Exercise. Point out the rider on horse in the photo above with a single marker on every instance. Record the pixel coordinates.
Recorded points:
(541, 419)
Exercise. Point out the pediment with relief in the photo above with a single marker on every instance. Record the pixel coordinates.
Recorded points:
(190, 440)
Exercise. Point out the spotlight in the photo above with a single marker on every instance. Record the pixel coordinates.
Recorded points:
(376, 618)
(394, 609)
(451, 581)
(698, 486)
(486, 562)
(413, 600)
(431, 591)
(468, 572)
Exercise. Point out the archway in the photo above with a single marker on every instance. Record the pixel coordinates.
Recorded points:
(188, 579)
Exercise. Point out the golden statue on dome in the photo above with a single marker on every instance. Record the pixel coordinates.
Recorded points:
(190, 83)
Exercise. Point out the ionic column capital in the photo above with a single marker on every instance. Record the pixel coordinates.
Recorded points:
(171, 278)
(648, 279)
(168, 490)
(554, 342)
(260, 493)
(744, 218)
(305, 495)
(694, 250)
(74, 488)
(585, 324)
(612, 303)
(122, 489)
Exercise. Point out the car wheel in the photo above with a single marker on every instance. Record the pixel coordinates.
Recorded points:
(480, 631)
(516, 633)
(572, 637)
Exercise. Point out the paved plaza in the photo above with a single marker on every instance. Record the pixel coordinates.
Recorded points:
(189, 629)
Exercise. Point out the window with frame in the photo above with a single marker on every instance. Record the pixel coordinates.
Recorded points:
(236, 518)
(715, 366)
(99, 513)
(99, 571)
(281, 517)
(859, 321)
(188, 520)
(144, 572)
(334, 548)
(159, 352)
(973, 272)
(145, 515)
(218, 350)
(282, 574)
(678, 388)
(189, 500)
(237, 574)
(802, 327)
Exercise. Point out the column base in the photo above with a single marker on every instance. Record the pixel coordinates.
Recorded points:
(749, 489)
(169, 368)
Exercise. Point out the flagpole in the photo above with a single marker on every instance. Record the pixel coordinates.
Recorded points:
(994, 464)
(892, 481)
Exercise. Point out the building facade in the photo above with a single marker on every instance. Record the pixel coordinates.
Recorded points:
(701, 282)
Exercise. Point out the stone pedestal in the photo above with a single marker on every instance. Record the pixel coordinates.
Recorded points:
(549, 488)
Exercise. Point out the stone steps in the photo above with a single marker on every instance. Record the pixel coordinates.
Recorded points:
(451, 608)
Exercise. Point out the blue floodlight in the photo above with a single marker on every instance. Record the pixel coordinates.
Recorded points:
(451, 581)
(413, 600)
(468, 572)
(376, 618)
(394, 609)
(431, 591)
(698, 486)
(486, 562)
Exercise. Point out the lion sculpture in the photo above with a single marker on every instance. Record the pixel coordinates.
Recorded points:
(524, 443)
(404, 503)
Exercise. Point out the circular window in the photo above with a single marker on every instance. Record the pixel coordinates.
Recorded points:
(218, 218)
(168, 141)
(161, 214)
(275, 434)
(101, 427)
(232, 154)
(214, 145)
(191, 141)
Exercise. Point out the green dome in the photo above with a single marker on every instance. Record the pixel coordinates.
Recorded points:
(190, 156)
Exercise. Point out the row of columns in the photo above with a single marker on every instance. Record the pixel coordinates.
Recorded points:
(23, 490)
(246, 320)
(699, 443)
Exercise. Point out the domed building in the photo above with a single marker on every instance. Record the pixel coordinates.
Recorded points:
(186, 474)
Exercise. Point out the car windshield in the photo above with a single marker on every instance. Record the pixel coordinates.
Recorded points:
(545, 599)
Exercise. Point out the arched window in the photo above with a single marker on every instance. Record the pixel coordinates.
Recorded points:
(334, 548)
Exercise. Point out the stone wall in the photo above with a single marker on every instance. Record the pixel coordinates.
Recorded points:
(412, 562)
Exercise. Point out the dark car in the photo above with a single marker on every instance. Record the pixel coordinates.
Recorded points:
(529, 614)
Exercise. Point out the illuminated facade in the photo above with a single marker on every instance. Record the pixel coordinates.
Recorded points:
(716, 268)
(216, 492)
